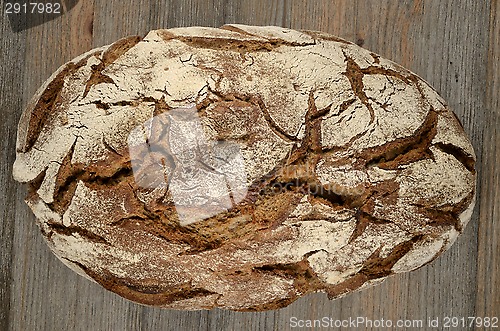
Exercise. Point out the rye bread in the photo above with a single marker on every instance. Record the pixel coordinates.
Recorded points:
(345, 168)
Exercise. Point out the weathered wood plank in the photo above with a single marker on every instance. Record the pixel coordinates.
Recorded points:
(446, 43)
(12, 48)
(488, 278)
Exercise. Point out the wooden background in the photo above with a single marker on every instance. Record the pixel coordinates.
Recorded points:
(454, 45)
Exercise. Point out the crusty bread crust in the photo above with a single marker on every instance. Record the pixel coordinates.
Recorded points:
(355, 169)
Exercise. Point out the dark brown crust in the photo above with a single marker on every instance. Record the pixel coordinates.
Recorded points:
(403, 150)
(148, 295)
(325, 36)
(48, 102)
(463, 157)
(116, 50)
(232, 44)
(355, 75)
(70, 230)
(304, 279)
(374, 267)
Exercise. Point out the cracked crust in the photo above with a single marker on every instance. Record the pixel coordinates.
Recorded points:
(376, 174)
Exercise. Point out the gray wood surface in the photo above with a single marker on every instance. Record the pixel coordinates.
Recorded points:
(454, 45)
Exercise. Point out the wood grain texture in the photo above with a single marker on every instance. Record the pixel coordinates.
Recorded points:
(454, 45)
(12, 47)
(488, 280)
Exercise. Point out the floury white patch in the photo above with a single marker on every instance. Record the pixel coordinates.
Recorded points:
(204, 177)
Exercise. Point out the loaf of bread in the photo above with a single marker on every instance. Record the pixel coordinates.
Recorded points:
(242, 167)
